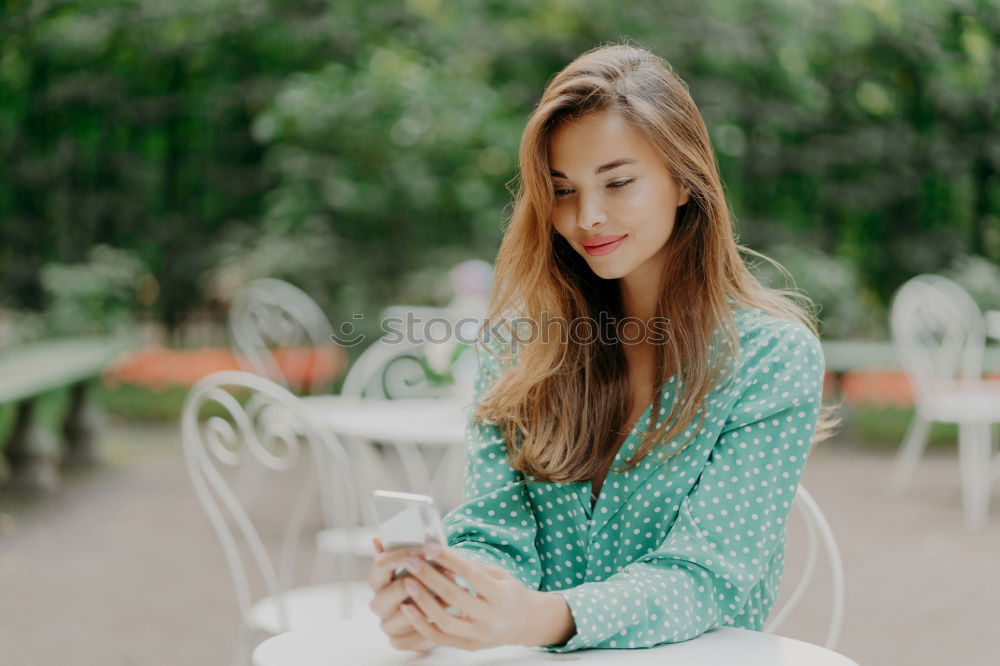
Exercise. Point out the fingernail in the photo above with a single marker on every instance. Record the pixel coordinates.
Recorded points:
(411, 586)
(412, 564)
(431, 548)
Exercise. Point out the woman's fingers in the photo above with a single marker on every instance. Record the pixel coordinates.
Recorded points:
(379, 548)
(402, 635)
(474, 573)
(496, 571)
(432, 632)
(386, 601)
(435, 612)
(384, 566)
(444, 587)
(396, 625)
(411, 640)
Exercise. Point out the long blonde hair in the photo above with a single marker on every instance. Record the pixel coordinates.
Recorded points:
(560, 406)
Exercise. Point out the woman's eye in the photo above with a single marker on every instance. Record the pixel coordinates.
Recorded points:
(616, 185)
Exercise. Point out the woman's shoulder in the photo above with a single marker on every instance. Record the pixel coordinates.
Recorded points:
(765, 337)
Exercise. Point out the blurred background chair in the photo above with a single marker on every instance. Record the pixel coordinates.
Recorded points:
(819, 536)
(387, 371)
(279, 332)
(939, 334)
(228, 419)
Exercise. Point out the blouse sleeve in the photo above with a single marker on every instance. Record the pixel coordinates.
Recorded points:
(730, 526)
(495, 523)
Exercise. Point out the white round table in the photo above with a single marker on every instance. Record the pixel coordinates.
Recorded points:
(418, 421)
(407, 425)
(360, 643)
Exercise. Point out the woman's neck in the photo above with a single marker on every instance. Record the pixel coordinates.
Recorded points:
(640, 295)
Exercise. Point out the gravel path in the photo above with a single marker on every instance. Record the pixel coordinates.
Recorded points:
(121, 568)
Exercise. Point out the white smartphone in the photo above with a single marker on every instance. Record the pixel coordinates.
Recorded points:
(407, 520)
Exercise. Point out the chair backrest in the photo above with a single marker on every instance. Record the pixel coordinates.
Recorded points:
(391, 371)
(269, 316)
(397, 365)
(820, 536)
(938, 332)
(233, 418)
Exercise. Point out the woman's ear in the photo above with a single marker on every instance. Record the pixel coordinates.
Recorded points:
(684, 197)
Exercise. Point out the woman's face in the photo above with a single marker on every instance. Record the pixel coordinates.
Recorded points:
(612, 188)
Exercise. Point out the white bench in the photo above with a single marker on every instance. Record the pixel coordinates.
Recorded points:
(27, 372)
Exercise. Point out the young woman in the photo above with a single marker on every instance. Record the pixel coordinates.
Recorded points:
(645, 410)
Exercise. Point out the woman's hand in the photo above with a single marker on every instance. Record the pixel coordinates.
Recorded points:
(390, 596)
(503, 611)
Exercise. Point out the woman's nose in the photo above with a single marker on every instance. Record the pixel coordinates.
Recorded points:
(591, 214)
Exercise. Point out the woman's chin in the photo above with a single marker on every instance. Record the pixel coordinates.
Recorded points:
(607, 272)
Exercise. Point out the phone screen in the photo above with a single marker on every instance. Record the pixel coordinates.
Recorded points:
(406, 520)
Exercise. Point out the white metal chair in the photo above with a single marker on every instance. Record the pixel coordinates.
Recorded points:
(939, 334)
(268, 315)
(819, 535)
(387, 370)
(268, 318)
(228, 419)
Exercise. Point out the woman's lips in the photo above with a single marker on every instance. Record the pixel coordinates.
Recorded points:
(606, 248)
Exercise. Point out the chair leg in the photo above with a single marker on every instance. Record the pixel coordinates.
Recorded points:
(448, 478)
(414, 467)
(909, 453)
(243, 647)
(974, 459)
(994, 452)
(320, 566)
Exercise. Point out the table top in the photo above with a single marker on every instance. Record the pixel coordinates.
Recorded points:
(422, 421)
(33, 369)
(361, 643)
(847, 355)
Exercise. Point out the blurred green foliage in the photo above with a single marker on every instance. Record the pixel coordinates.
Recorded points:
(980, 277)
(834, 285)
(885, 427)
(348, 144)
(94, 297)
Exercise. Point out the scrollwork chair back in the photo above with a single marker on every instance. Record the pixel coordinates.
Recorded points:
(939, 334)
(819, 535)
(232, 417)
(269, 314)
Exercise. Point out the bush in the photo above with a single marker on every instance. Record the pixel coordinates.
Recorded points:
(980, 277)
(95, 297)
(846, 308)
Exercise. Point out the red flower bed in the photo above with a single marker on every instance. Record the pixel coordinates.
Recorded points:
(880, 388)
(884, 388)
(160, 367)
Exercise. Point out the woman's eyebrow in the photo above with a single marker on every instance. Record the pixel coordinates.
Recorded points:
(614, 164)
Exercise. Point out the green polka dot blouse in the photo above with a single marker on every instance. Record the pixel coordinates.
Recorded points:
(670, 549)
